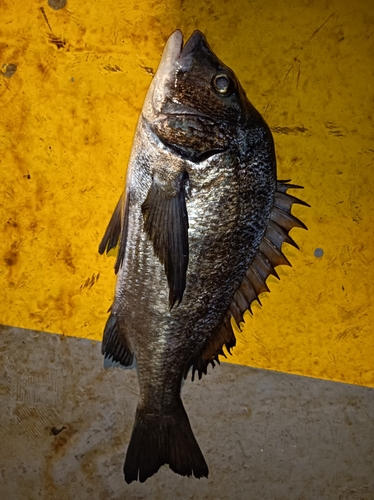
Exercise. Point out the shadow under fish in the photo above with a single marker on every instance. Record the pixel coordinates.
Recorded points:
(200, 227)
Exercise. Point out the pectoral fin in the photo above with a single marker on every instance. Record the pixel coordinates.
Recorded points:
(166, 224)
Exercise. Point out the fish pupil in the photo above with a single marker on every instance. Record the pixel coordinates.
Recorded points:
(222, 83)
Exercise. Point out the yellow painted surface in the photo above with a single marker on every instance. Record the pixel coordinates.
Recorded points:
(67, 116)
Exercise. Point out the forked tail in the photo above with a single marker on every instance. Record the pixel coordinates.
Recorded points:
(159, 439)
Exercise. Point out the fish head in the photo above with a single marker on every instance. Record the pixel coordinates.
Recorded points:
(195, 104)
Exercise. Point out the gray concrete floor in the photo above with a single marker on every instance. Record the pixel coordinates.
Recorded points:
(65, 422)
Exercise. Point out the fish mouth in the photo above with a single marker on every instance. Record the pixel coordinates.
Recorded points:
(195, 43)
(175, 58)
(183, 57)
(178, 125)
(172, 51)
(177, 54)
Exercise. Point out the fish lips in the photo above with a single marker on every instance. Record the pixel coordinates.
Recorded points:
(173, 121)
(175, 58)
(179, 56)
(196, 43)
(183, 84)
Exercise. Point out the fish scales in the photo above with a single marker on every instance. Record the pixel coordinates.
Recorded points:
(200, 194)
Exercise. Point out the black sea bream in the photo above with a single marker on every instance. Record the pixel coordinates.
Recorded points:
(200, 227)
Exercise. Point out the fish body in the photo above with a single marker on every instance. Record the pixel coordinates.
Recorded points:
(200, 227)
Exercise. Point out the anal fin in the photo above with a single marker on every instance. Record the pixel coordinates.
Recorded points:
(114, 345)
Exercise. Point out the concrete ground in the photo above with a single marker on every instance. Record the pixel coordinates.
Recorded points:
(65, 422)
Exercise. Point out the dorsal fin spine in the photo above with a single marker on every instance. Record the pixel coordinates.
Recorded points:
(269, 255)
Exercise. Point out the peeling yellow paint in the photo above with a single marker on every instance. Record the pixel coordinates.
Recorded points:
(72, 84)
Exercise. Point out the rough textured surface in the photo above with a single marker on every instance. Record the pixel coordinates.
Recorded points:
(65, 422)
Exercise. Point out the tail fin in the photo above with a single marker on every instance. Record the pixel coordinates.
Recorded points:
(159, 439)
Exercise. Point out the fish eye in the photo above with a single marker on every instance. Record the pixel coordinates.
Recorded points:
(224, 84)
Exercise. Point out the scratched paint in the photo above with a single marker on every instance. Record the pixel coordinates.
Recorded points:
(68, 115)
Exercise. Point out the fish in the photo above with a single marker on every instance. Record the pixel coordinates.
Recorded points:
(199, 228)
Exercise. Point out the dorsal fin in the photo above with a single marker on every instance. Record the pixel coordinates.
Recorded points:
(224, 336)
(268, 256)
